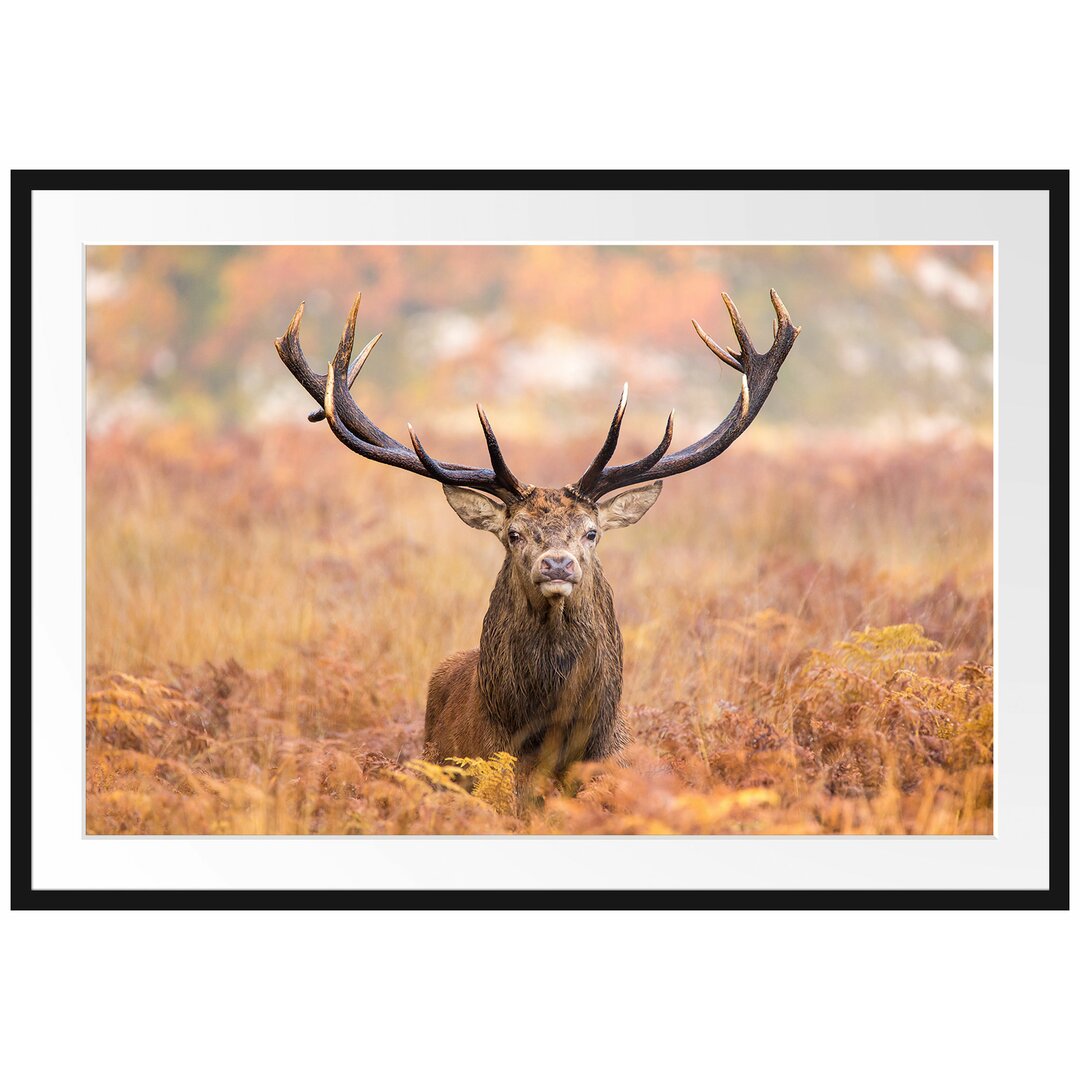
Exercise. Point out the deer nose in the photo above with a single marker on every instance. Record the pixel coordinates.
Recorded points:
(558, 567)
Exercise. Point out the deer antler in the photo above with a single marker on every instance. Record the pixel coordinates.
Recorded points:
(759, 372)
(361, 435)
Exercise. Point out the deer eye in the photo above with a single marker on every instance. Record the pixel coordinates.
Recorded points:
(513, 536)
(591, 535)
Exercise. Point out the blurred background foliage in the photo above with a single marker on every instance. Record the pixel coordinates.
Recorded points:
(897, 340)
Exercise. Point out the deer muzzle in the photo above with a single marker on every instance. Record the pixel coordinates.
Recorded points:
(557, 573)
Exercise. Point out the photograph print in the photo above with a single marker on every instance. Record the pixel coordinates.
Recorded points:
(714, 553)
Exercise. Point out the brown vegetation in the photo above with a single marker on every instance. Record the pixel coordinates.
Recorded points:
(808, 632)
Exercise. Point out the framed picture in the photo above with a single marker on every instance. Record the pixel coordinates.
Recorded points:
(306, 629)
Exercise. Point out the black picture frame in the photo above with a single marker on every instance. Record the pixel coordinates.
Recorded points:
(23, 185)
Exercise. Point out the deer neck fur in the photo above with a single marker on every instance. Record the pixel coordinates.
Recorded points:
(552, 663)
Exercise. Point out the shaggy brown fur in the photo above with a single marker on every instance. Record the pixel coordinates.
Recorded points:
(546, 681)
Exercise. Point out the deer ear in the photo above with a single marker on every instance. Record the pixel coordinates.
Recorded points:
(628, 506)
(476, 510)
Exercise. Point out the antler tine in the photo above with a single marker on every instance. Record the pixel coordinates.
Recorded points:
(591, 474)
(746, 346)
(727, 357)
(432, 466)
(508, 489)
(354, 369)
(344, 349)
(783, 319)
(288, 348)
(498, 462)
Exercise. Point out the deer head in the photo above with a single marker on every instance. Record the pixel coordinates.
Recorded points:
(550, 535)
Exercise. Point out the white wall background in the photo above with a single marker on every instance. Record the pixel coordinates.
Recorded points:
(675, 85)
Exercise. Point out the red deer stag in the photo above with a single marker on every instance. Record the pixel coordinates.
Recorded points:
(546, 681)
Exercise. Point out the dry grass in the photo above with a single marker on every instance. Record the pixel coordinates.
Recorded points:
(263, 614)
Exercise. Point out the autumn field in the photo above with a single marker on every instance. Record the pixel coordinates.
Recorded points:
(808, 619)
(808, 628)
